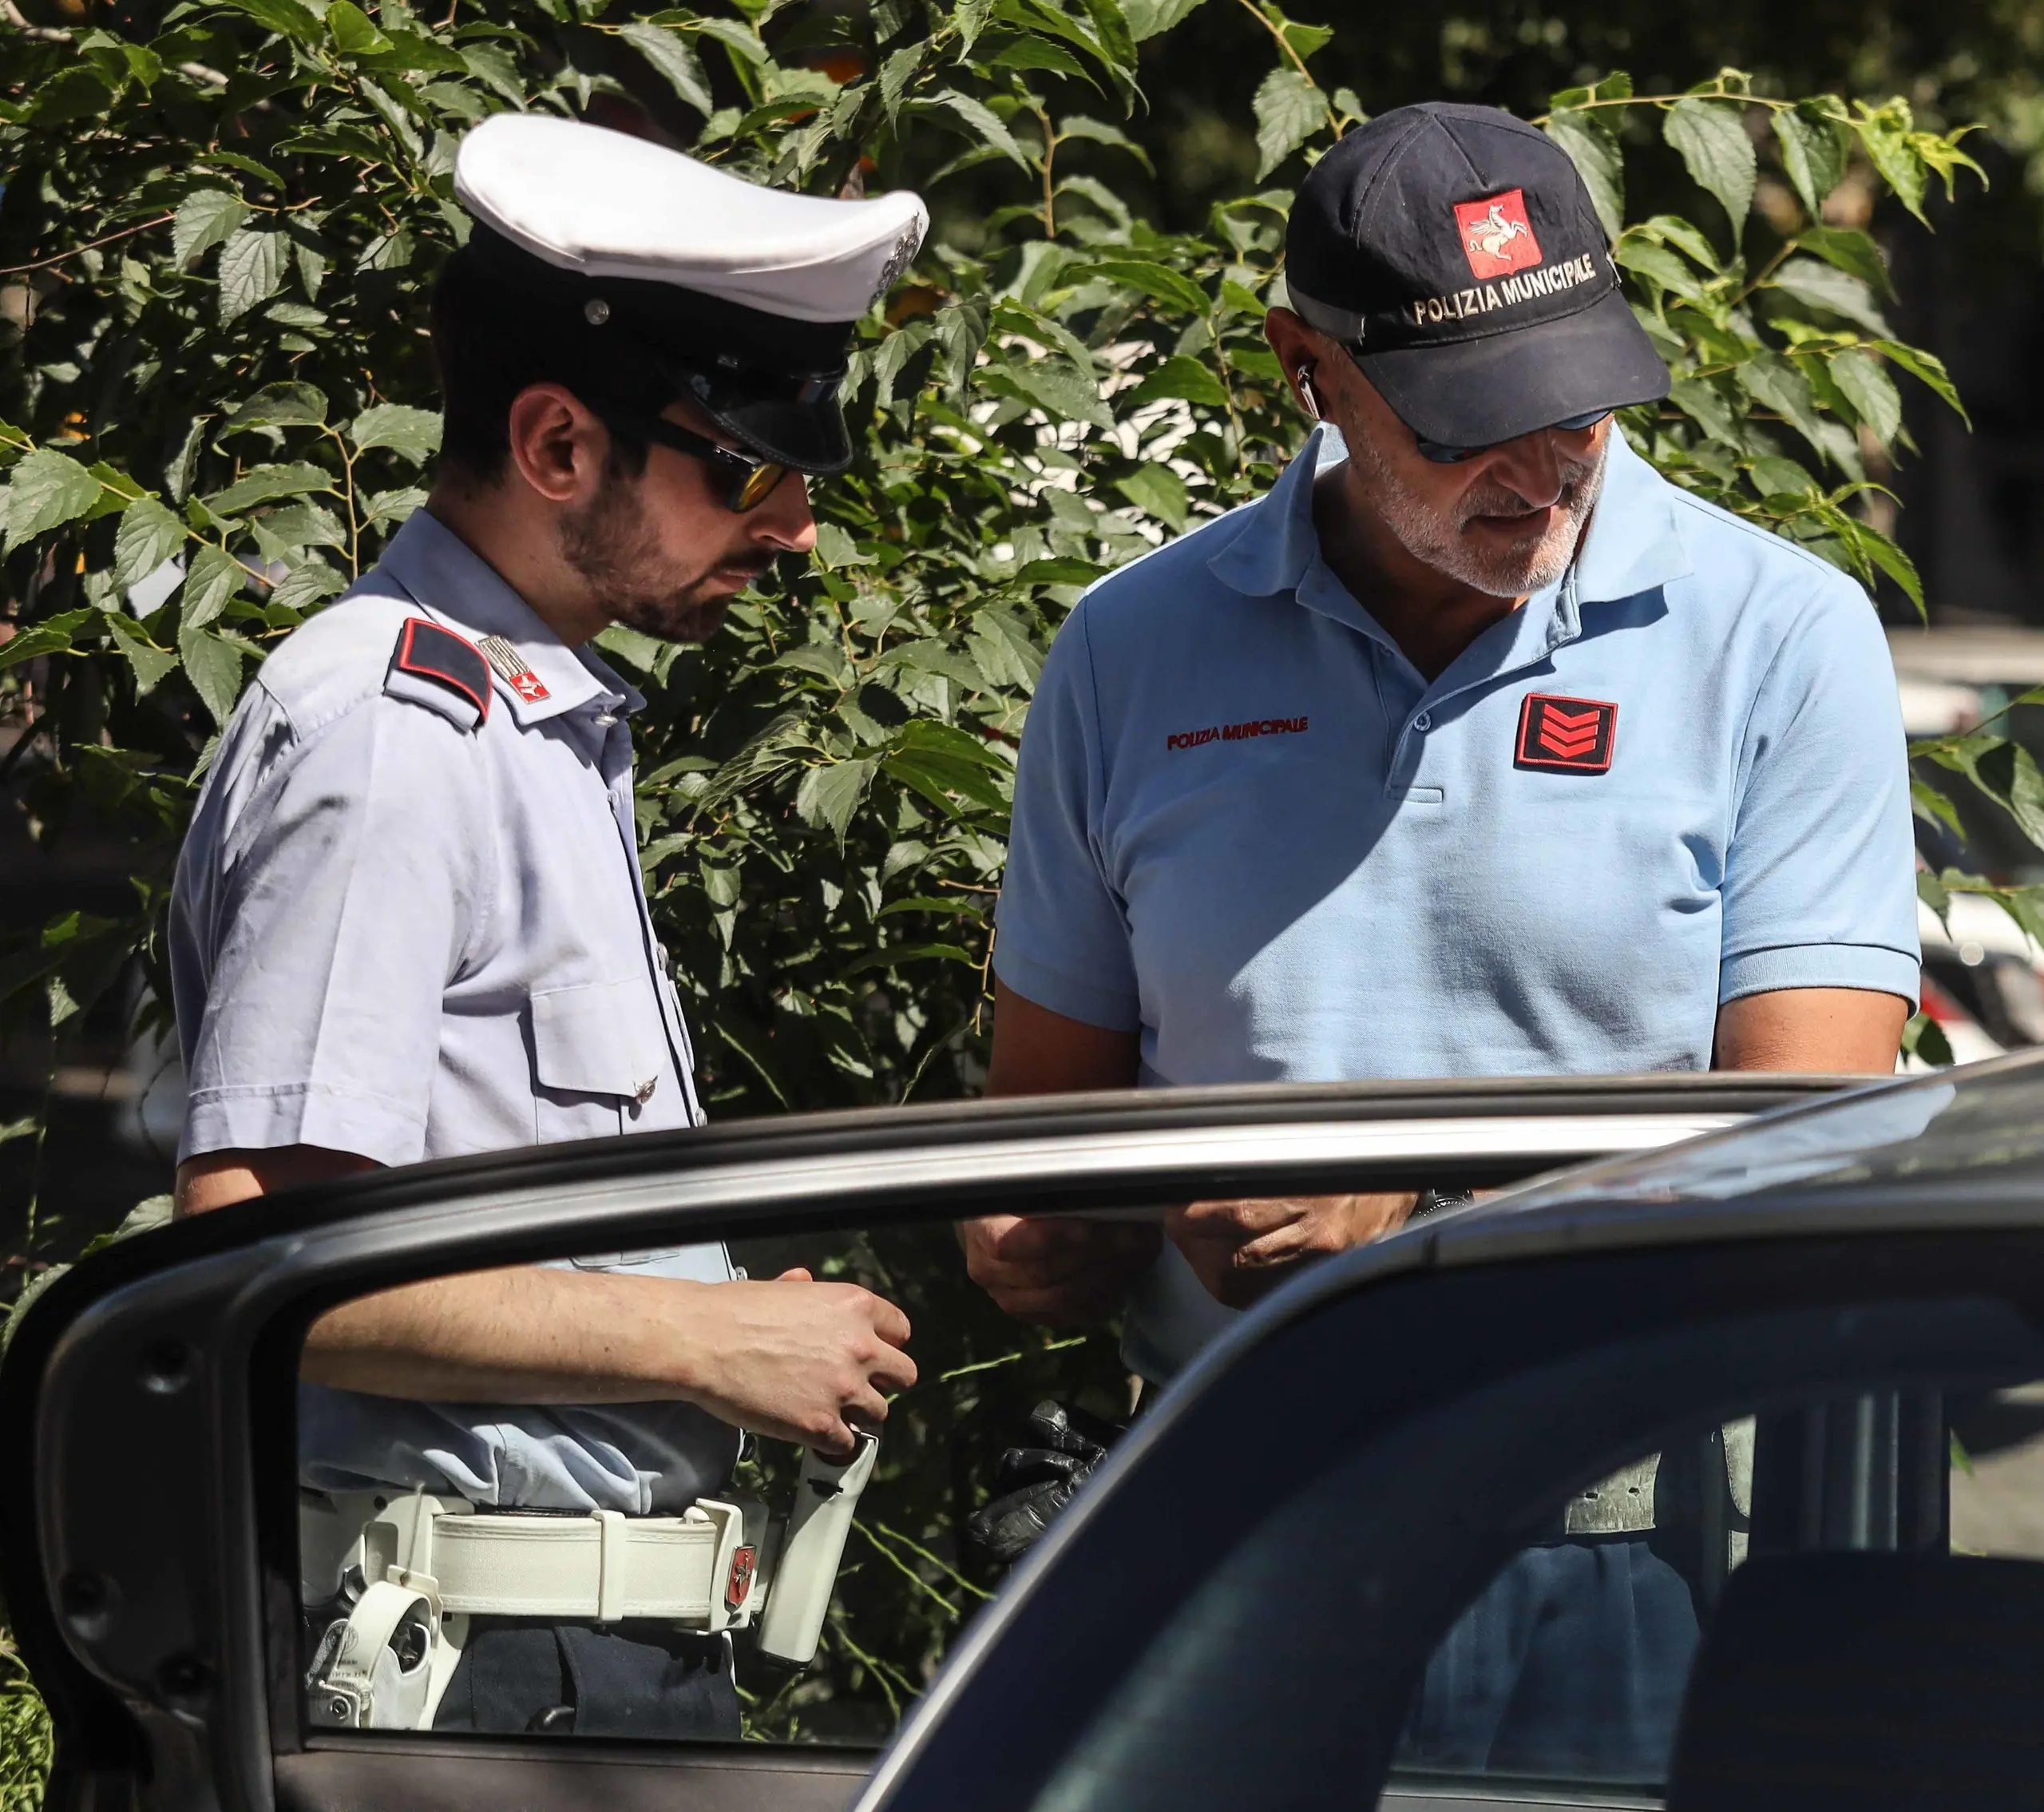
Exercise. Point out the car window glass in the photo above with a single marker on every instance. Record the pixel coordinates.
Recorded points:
(478, 1555)
(1569, 1669)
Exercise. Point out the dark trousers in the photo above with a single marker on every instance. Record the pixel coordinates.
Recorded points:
(1573, 1662)
(634, 1678)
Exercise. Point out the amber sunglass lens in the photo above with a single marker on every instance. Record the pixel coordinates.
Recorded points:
(759, 485)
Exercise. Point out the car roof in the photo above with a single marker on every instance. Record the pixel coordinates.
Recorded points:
(1958, 1148)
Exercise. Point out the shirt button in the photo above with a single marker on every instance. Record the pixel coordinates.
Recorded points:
(1423, 721)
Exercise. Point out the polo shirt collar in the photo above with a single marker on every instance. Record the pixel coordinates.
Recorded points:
(457, 587)
(1634, 543)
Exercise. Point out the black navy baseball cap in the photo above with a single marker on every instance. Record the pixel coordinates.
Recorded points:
(1454, 251)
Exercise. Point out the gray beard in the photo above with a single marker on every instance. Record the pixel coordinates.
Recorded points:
(1437, 541)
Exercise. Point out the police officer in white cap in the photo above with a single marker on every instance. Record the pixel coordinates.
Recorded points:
(408, 921)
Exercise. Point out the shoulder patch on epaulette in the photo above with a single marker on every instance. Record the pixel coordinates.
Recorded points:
(456, 676)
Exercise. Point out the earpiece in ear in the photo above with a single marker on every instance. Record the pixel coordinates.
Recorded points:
(1306, 391)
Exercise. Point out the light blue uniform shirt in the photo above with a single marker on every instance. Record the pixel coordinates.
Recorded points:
(400, 932)
(1353, 876)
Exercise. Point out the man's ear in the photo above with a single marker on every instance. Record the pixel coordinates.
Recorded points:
(557, 446)
(1299, 349)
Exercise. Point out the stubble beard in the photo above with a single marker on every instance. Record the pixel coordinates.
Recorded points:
(612, 546)
(1521, 567)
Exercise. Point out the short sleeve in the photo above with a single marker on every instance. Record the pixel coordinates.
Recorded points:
(1819, 888)
(1063, 934)
(326, 894)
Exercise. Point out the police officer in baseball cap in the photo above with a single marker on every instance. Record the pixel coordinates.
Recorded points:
(408, 922)
(1473, 747)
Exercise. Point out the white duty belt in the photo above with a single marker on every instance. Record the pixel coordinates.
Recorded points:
(419, 1567)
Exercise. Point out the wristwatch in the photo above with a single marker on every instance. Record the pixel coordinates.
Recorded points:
(1432, 1201)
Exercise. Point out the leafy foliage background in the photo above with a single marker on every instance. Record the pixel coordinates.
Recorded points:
(219, 223)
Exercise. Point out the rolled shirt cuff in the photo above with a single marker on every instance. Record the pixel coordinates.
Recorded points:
(261, 1118)
(1879, 968)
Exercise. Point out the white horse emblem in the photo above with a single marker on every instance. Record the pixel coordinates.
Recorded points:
(1490, 234)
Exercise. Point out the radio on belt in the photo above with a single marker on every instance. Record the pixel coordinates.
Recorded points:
(419, 1567)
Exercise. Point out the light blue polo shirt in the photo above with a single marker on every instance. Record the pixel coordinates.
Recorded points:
(1247, 825)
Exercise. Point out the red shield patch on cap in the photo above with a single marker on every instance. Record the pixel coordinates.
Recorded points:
(1573, 736)
(1497, 238)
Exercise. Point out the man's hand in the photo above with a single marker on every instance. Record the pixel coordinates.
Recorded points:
(797, 1360)
(1057, 1272)
(1241, 1250)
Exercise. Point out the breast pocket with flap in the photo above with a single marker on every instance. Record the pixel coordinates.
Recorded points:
(595, 1047)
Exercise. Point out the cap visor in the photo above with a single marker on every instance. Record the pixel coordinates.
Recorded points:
(805, 437)
(1479, 392)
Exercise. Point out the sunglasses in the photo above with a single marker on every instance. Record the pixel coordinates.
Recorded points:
(748, 482)
(1443, 455)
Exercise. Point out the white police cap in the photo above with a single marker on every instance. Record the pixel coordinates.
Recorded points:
(604, 204)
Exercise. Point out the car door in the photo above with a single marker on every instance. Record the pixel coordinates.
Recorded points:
(1834, 1318)
(152, 1546)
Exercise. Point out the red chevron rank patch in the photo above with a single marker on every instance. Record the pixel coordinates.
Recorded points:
(1569, 735)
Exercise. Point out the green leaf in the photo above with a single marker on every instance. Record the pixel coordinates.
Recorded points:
(1852, 250)
(79, 93)
(1150, 18)
(1185, 378)
(829, 795)
(251, 270)
(1814, 152)
(412, 433)
(353, 35)
(1671, 272)
(203, 220)
(1289, 109)
(260, 483)
(1934, 807)
(306, 584)
(150, 665)
(1599, 160)
(1711, 137)
(1871, 391)
(149, 534)
(1774, 477)
(51, 635)
(1891, 561)
(633, 647)
(1097, 131)
(213, 577)
(1059, 572)
(895, 73)
(1706, 406)
(1157, 491)
(213, 665)
(46, 490)
(1159, 281)
(1774, 383)
(285, 16)
(836, 549)
(279, 405)
(1040, 53)
(1062, 390)
(391, 506)
(1923, 1037)
(1824, 286)
(981, 123)
(673, 59)
(1885, 132)
(1928, 368)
